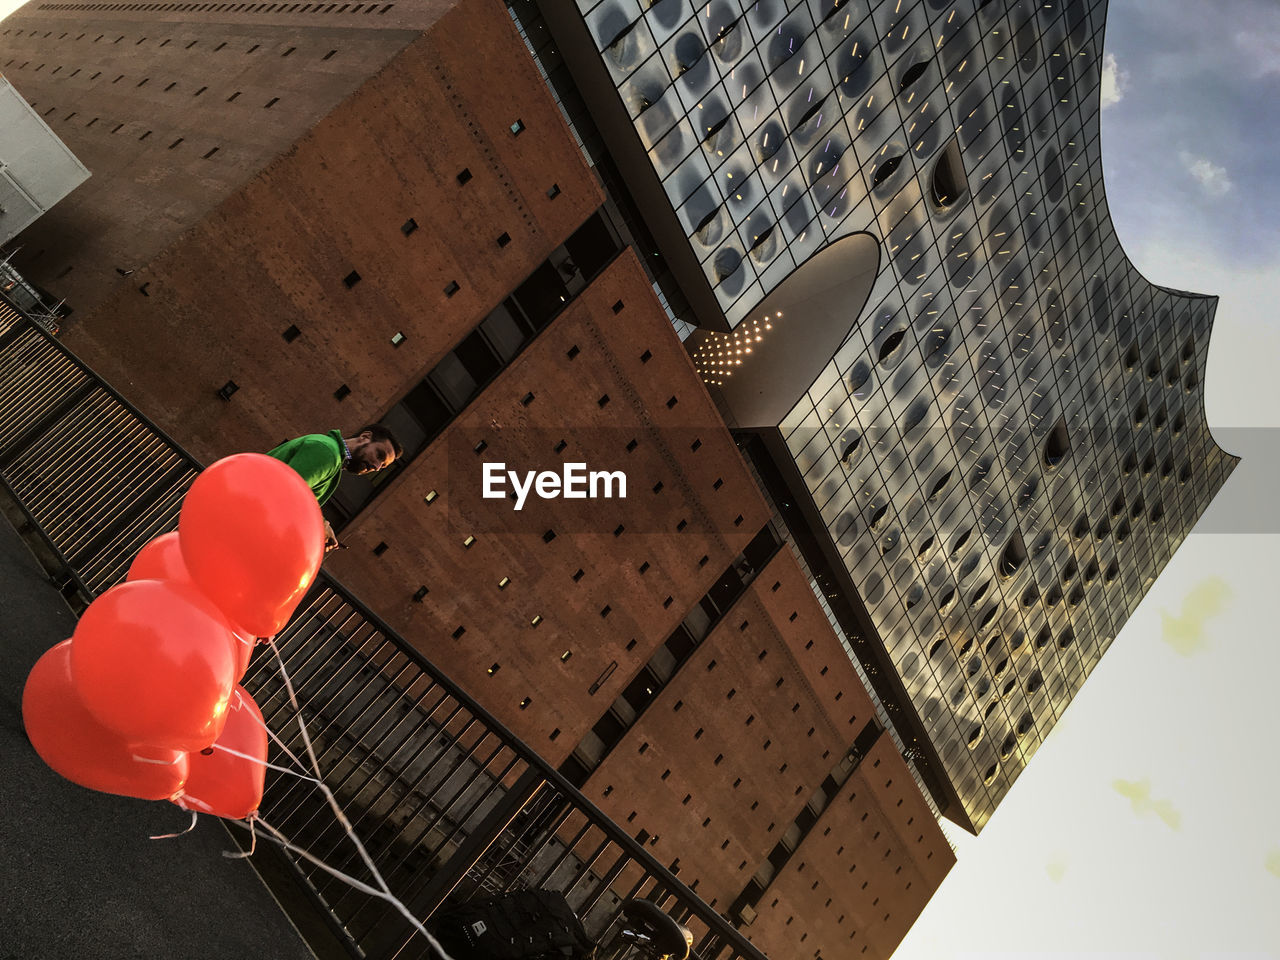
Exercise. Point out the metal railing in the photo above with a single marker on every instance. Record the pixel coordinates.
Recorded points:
(450, 804)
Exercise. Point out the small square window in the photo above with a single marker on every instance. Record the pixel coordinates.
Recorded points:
(457, 635)
(617, 532)
(351, 279)
(493, 668)
(605, 611)
(632, 445)
(291, 334)
(452, 288)
(646, 357)
(603, 401)
(526, 400)
(681, 525)
(553, 191)
(695, 445)
(657, 487)
(464, 175)
(409, 226)
(517, 128)
(672, 402)
(644, 567)
(564, 657)
(503, 239)
(480, 448)
(342, 392)
(397, 338)
(227, 389)
(469, 542)
(666, 604)
(420, 595)
(718, 484)
(380, 549)
(572, 352)
(536, 620)
(504, 583)
(617, 307)
(270, 103)
(524, 704)
(579, 575)
(548, 536)
(559, 448)
(430, 497)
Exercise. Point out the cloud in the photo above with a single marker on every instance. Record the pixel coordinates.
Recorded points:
(1114, 81)
(1138, 793)
(1261, 49)
(1212, 177)
(1185, 633)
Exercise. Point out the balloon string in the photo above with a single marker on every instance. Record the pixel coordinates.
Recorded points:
(269, 766)
(170, 836)
(253, 840)
(385, 891)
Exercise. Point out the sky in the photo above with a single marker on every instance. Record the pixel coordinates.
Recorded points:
(1145, 826)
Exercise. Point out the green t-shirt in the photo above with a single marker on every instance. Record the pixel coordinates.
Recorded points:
(318, 458)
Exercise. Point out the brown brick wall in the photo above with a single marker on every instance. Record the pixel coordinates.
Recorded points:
(276, 252)
(863, 874)
(425, 542)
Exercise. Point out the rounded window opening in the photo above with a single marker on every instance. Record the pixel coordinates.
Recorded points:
(1113, 571)
(850, 449)
(991, 708)
(1013, 557)
(1131, 357)
(960, 542)
(1160, 419)
(885, 171)
(1030, 595)
(1171, 374)
(973, 666)
(1130, 464)
(890, 344)
(1102, 529)
(1157, 513)
(1076, 596)
(1000, 668)
(914, 595)
(964, 650)
(948, 185)
(1140, 413)
(1058, 445)
(1016, 643)
(1179, 422)
(1042, 641)
(1069, 571)
(1081, 528)
(975, 736)
(1188, 351)
(1117, 505)
(912, 74)
(1066, 638)
(1006, 748)
(1148, 464)
(1153, 368)
(925, 548)
(857, 378)
(1189, 382)
(979, 593)
(940, 484)
(876, 516)
(1091, 571)
(938, 646)
(1184, 474)
(945, 602)
(1053, 596)
(1025, 723)
(1166, 468)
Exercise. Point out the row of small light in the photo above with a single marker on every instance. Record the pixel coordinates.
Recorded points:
(720, 353)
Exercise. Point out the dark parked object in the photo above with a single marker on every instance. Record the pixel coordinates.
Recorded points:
(521, 925)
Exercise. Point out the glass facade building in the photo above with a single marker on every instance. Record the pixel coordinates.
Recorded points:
(1010, 441)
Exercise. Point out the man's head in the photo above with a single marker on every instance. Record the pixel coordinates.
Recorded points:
(373, 448)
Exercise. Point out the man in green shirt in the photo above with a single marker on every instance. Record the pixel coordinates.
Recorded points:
(320, 459)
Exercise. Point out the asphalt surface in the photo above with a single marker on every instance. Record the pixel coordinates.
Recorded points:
(79, 878)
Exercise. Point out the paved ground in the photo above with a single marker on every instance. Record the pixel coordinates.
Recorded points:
(79, 880)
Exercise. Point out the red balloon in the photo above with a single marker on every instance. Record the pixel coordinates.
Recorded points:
(223, 783)
(252, 537)
(154, 661)
(161, 559)
(77, 747)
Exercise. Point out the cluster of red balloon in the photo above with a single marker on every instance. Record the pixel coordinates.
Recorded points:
(144, 699)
